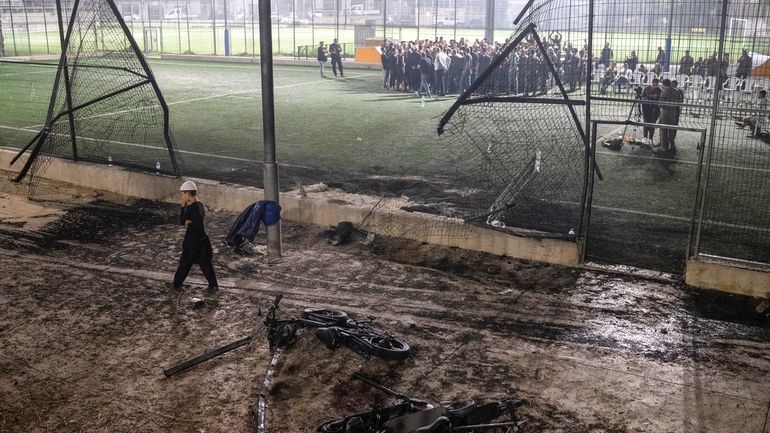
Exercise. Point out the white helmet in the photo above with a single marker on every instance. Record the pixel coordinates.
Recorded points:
(188, 185)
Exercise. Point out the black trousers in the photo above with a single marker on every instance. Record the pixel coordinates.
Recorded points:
(649, 117)
(201, 254)
(337, 62)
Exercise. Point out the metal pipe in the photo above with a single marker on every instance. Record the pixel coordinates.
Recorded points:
(13, 30)
(26, 22)
(712, 132)
(385, 21)
(45, 28)
(187, 20)
(670, 25)
(693, 242)
(489, 25)
(65, 39)
(585, 213)
(268, 124)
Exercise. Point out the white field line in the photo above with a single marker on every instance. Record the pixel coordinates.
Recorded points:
(655, 158)
(233, 158)
(664, 216)
(144, 146)
(204, 98)
(226, 65)
(24, 73)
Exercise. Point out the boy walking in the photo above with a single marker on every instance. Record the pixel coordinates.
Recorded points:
(196, 247)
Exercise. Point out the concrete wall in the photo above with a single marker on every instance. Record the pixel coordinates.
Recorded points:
(327, 209)
(728, 277)
(323, 209)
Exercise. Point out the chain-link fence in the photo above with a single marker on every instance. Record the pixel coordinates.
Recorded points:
(669, 98)
(638, 129)
(231, 27)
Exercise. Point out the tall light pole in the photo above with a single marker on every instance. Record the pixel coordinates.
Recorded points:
(268, 124)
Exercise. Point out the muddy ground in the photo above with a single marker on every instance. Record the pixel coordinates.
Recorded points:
(87, 325)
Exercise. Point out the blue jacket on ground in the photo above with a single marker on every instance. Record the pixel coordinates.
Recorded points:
(246, 226)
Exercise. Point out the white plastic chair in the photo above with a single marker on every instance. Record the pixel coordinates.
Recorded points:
(709, 85)
(749, 89)
(729, 87)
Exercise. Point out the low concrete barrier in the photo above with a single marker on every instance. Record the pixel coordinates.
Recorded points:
(326, 209)
(728, 276)
(317, 208)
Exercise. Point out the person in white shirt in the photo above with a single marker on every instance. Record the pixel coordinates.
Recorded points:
(441, 65)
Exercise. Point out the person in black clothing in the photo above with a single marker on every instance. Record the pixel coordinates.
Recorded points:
(336, 52)
(650, 108)
(321, 57)
(606, 56)
(686, 63)
(632, 61)
(196, 247)
(661, 58)
(571, 72)
(744, 66)
(385, 61)
(484, 60)
(413, 69)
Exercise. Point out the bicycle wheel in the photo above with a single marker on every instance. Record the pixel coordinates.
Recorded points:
(330, 317)
(387, 347)
(336, 426)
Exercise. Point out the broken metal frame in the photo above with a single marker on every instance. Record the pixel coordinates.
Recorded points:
(464, 99)
(411, 414)
(355, 335)
(37, 142)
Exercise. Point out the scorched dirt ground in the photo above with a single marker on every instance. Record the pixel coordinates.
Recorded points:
(87, 325)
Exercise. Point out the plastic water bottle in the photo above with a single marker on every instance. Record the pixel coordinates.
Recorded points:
(157, 167)
(422, 101)
(109, 160)
(572, 232)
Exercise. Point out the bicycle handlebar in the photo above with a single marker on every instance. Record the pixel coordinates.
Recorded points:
(383, 388)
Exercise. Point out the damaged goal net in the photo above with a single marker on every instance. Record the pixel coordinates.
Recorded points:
(516, 143)
(105, 105)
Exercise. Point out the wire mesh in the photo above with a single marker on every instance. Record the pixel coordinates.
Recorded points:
(104, 107)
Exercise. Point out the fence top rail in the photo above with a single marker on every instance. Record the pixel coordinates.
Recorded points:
(651, 125)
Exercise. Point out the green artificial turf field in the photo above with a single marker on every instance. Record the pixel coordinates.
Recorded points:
(351, 133)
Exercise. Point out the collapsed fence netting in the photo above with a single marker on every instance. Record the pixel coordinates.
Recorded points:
(628, 69)
(104, 106)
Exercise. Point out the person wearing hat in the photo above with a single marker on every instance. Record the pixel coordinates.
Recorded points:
(196, 247)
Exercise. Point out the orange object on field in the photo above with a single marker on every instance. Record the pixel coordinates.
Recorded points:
(368, 55)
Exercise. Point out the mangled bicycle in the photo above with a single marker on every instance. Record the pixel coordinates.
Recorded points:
(409, 415)
(334, 328)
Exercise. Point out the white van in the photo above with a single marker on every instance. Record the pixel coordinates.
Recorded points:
(176, 13)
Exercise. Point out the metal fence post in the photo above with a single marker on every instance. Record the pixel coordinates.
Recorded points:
(268, 125)
(45, 28)
(179, 28)
(214, 23)
(26, 22)
(712, 131)
(187, 20)
(13, 29)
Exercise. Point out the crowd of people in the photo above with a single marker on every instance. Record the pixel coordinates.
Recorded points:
(440, 67)
(437, 67)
